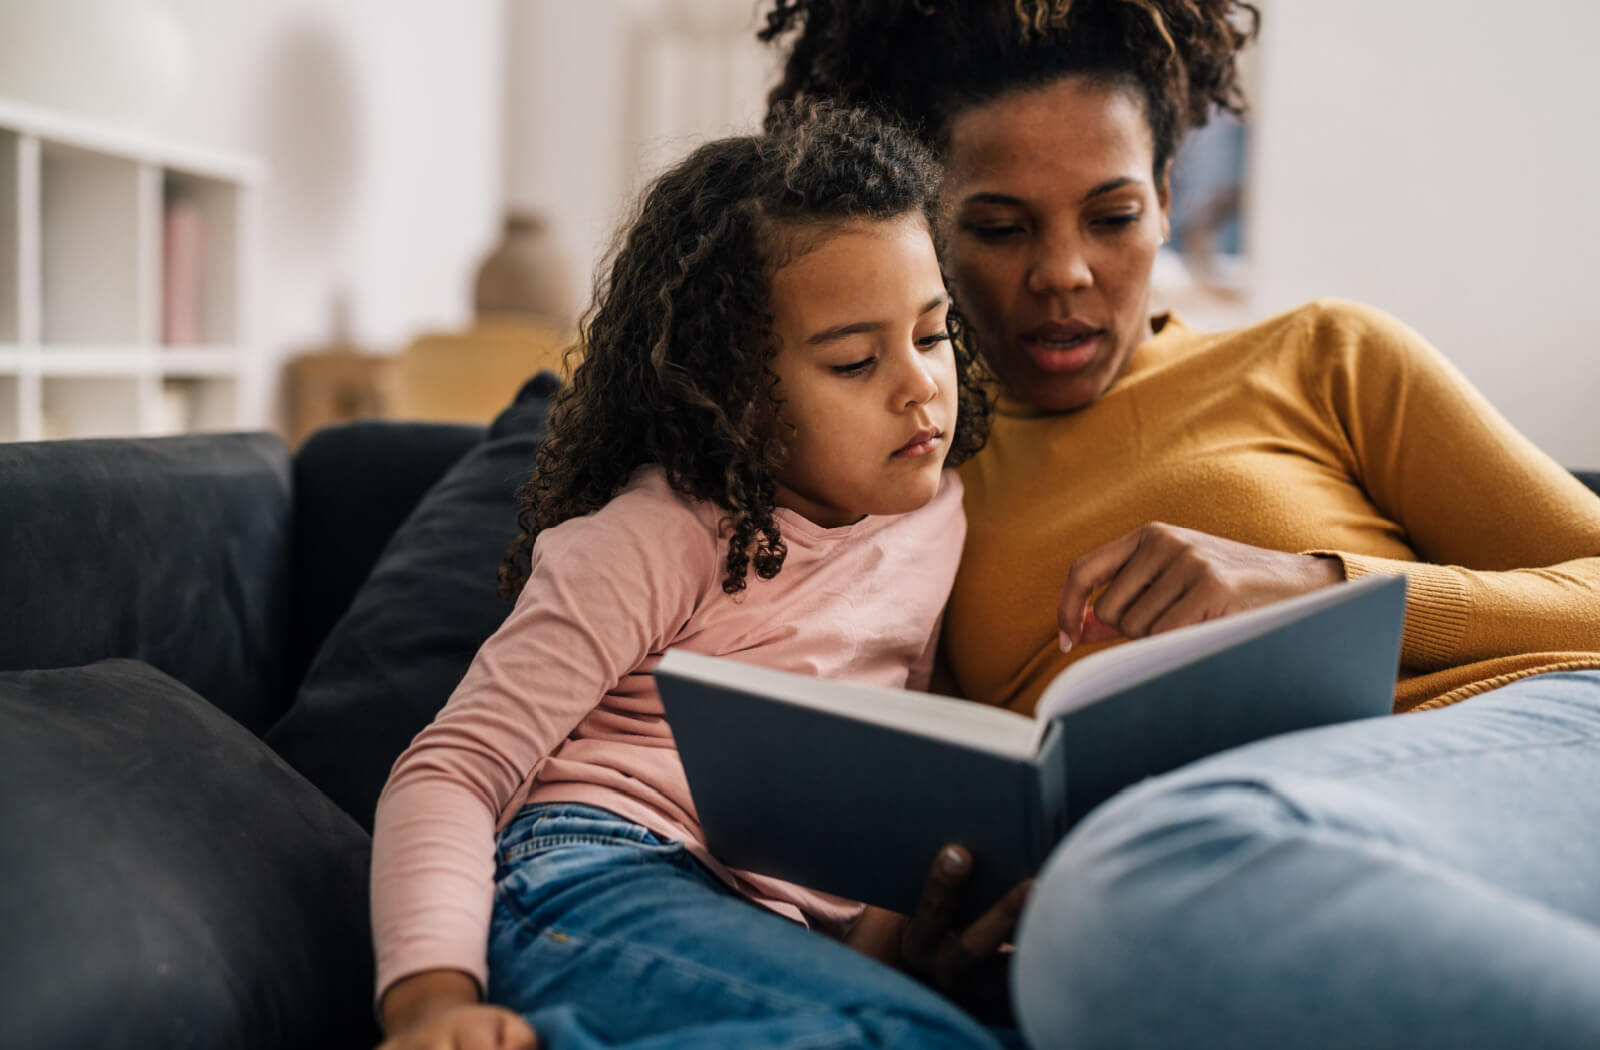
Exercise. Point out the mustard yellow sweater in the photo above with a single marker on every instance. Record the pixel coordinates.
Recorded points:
(1329, 429)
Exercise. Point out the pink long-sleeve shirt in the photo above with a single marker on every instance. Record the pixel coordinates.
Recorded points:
(559, 706)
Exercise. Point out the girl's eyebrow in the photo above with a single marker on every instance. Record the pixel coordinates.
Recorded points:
(839, 331)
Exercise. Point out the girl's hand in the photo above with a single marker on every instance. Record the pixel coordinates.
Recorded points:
(467, 1026)
(439, 1010)
(969, 967)
(1158, 577)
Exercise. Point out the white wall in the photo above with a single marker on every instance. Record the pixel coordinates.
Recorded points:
(1435, 158)
(381, 122)
(602, 94)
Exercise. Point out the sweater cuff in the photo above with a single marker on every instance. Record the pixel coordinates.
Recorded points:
(1436, 606)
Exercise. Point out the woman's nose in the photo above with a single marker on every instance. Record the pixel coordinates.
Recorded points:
(1060, 265)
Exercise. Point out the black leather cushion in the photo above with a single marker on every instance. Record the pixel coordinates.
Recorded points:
(354, 483)
(174, 551)
(390, 663)
(167, 880)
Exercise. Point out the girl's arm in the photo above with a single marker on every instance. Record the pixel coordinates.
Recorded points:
(605, 591)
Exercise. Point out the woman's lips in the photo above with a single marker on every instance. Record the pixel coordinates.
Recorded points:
(1065, 353)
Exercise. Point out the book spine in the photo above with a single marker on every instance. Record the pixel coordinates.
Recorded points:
(1050, 789)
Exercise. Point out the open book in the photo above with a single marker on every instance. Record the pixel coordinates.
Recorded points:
(853, 789)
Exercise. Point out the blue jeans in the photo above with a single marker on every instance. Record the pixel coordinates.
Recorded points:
(1426, 880)
(604, 935)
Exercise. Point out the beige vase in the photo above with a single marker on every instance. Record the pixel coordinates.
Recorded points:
(526, 275)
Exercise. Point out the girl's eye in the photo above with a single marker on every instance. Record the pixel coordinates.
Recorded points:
(855, 367)
(1117, 222)
(928, 342)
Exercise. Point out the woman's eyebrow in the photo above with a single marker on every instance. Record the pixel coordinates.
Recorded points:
(1008, 200)
(839, 331)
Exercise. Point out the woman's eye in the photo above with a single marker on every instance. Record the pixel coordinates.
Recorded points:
(1117, 222)
(996, 231)
(928, 342)
(854, 367)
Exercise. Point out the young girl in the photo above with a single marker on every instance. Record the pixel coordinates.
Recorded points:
(749, 462)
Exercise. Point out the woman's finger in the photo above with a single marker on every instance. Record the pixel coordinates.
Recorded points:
(930, 924)
(1179, 577)
(1087, 575)
(998, 925)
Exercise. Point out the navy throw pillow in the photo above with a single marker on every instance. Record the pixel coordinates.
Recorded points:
(168, 880)
(391, 662)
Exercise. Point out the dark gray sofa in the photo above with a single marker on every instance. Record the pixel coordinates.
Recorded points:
(210, 653)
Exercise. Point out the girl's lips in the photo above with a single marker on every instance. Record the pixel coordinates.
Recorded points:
(919, 446)
(1061, 355)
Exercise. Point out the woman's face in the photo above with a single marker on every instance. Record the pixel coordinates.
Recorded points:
(1052, 220)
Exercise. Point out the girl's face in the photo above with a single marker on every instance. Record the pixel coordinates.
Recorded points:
(866, 373)
(1053, 221)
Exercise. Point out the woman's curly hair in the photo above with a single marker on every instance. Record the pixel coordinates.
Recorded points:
(677, 346)
(924, 61)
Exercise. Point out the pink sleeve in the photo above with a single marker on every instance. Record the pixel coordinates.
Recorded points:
(605, 591)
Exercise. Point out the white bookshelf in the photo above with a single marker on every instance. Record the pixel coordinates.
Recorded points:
(82, 347)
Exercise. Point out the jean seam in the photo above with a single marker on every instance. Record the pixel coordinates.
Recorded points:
(541, 842)
(746, 990)
(1346, 771)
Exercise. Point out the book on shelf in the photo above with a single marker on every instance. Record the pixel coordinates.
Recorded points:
(853, 789)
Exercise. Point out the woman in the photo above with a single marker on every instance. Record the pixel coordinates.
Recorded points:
(1421, 880)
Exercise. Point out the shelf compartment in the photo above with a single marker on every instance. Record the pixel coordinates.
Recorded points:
(199, 287)
(92, 243)
(11, 212)
(191, 404)
(10, 408)
(91, 406)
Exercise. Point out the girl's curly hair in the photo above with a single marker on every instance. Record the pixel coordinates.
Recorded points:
(677, 346)
(924, 61)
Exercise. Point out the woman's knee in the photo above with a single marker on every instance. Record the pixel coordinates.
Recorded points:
(1138, 918)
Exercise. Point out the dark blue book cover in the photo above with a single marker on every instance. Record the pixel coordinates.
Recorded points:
(853, 789)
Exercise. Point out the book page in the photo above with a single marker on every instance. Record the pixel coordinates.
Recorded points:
(1131, 663)
(963, 722)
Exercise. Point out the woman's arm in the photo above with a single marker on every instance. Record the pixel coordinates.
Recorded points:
(1506, 539)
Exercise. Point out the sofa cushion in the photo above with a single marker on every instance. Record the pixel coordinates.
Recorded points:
(354, 483)
(174, 551)
(390, 663)
(168, 880)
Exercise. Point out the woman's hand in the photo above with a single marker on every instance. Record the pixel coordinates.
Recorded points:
(439, 1010)
(969, 966)
(1158, 577)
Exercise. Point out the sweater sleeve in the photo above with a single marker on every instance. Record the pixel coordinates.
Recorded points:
(605, 591)
(1507, 541)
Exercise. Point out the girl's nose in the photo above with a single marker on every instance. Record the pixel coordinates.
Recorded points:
(920, 386)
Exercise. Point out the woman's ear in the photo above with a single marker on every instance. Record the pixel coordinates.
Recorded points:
(1164, 199)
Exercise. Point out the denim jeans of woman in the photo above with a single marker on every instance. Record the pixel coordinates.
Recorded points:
(604, 935)
(1425, 880)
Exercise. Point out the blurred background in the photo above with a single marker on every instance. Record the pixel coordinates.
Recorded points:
(286, 212)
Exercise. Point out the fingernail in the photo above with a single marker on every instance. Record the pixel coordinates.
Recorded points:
(1066, 643)
(953, 862)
